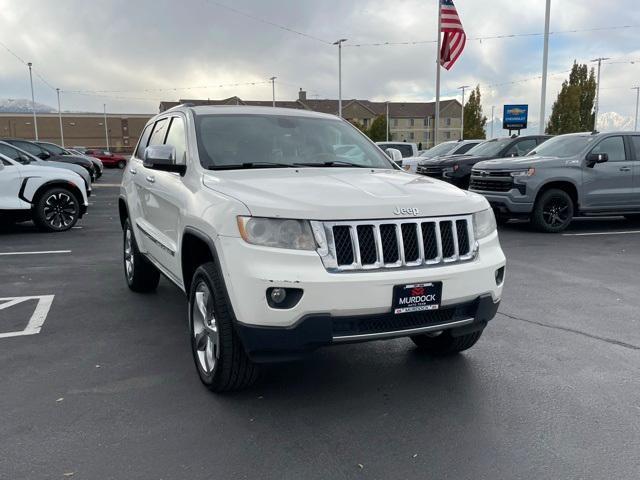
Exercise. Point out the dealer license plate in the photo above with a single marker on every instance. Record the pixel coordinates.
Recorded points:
(417, 297)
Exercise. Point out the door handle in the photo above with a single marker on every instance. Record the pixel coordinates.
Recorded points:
(133, 171)
(151, 179)
(625, 169)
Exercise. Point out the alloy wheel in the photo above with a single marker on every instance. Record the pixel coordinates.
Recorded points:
(128, 255)
(556, 212)
(60, 210)
(206, 338)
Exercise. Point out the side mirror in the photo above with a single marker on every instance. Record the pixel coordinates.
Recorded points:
(24, 159)
(163, 158)
(594, 158)
(394, 154)
(44, 155)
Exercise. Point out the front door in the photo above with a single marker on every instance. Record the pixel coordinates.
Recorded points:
(10, 181)
(609, 185)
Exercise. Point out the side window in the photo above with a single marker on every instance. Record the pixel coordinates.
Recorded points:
(142, 143)
(613, 147)
(159, 132)
(176, 138)
(12, 153)
(465, 148)
(523, 147)
(29, 147)
(635, 141)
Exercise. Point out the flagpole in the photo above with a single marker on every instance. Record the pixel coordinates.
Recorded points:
(437, 127)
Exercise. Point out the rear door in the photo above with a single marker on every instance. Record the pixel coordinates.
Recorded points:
(635, 147)
(609, 185)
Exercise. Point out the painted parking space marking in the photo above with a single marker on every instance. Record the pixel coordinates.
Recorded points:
(588, 234)
(45, 252)
(37, 318)
(113, 185)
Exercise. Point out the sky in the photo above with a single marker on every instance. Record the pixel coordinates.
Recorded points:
(130, 54)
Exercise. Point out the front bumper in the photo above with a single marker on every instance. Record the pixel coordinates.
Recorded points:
(250, 270)
(507, 203)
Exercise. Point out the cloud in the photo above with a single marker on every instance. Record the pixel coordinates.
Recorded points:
(162, 44)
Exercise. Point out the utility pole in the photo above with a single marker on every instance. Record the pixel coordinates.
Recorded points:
(463, 88)
(339, 43)
(545, 56)
(437, 119)
(106, 129)
(60, 119)
(33, 101)
(493, 116)
(387, 132)
(273, 89)
(597, 105)
(635, 124)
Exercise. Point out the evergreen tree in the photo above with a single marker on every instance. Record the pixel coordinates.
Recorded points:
(378, 130)
(573, 109)
(474, 120)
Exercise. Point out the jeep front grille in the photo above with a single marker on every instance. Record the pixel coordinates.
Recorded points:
(397, 243)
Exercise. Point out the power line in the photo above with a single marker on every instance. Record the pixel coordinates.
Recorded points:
(25, 63)
(268, 22)
(169, 89)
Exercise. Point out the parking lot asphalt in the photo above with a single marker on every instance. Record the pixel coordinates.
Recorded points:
(107, 389)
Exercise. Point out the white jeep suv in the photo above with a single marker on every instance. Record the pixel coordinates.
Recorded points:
(52, 197)
(282, 245)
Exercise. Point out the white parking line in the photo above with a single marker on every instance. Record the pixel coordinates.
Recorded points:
(628, 232)
(37, 318)
(35, 253)
(106, 185)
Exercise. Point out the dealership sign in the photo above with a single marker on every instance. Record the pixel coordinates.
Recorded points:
(515, 117)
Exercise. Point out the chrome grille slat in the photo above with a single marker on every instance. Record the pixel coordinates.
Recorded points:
(390, 238)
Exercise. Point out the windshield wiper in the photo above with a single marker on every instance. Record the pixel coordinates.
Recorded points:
(332, 163)
(250, 165)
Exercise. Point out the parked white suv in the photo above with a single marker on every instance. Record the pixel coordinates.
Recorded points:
(52, 197)
(284, 245)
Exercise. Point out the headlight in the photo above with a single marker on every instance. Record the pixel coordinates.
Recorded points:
(277, 232)
(524, 173)
(484, 223)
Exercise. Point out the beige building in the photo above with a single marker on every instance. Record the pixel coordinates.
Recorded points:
(81, 129)
(409, 121)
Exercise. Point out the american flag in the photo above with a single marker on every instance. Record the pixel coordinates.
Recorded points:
(454, 37)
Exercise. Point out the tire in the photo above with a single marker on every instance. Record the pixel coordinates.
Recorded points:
(141, 275)
(218, 353)
(56, 210)
(122, 164)
(445, 343)
(635, 218)
(501, 220)
(553, 211)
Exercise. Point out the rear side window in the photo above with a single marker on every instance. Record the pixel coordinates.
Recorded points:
(405, 150)
(159, 132)
(142, 143)
(613, 147)
(175, 137)
(635, 141)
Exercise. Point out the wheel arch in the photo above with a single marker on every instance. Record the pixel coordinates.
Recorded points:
(53, 184)
(565, 185)
(196, 249)
(123, 211)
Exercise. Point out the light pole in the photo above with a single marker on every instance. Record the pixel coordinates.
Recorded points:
(635, 124)
(463, 88)
(493, 117)
(106, 129)
(33, 101)
(597, 103)
(60, 119)
(273, 89)
(545, 56)
(387, 132)
(339, 43)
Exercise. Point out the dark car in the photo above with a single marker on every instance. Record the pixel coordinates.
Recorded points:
(57, 150)
(48, 154)
(456, 169)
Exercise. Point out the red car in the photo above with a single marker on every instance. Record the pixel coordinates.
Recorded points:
(108, 159)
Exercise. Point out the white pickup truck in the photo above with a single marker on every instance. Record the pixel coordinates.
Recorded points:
(284, 245)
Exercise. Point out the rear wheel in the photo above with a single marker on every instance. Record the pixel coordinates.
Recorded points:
(445, 343)
(142, 276)
(553, 211)
(219, 355)
(122, 164)
(56, 210)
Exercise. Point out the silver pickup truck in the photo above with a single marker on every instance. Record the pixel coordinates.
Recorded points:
(578, 174)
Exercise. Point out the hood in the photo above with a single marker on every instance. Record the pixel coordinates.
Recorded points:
(340, 193)
(72, 159)
(524, 162)
(446, 159)
(67, 166)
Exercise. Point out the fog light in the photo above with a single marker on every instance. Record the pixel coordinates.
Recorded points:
(278, 295)
(499, 276)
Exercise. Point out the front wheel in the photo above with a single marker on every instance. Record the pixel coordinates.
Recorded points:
(57, 210)
(219, 355)
(553, 211)
(122, 164)
(141, 275)
(445, 343)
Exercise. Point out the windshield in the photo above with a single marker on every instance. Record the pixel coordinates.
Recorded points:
(441, 149)
(259, 141)
(489, 148)
(564, 145)
(52, 149)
